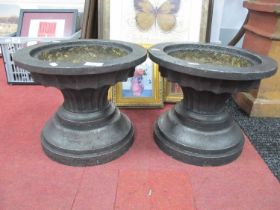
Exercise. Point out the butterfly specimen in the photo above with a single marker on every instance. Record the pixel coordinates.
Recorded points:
(164, 16)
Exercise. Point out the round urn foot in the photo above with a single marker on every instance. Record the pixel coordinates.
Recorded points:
(198, 139)
(85, 139)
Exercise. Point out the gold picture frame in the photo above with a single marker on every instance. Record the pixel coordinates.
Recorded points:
(110, 94)
(133, 92)
(172, 92)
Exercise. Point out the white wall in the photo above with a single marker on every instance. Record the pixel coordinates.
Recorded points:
(217, 21)
(47, 4)
(228, 17)
(234, 14)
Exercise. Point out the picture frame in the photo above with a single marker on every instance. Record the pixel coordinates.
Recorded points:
(189, 19)
(56, 23)
(103, 19)
(172, 92)
(144, 89)
(110, 94)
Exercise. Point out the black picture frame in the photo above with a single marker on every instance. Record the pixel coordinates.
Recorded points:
(48, 13)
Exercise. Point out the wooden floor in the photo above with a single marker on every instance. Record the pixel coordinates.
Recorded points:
(143, 178)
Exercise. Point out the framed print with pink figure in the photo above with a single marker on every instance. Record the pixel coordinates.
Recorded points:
(144, 89)
(172, 92)
(141, 84)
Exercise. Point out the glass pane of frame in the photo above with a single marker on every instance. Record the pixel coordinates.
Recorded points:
(172, 92)
(144, 89)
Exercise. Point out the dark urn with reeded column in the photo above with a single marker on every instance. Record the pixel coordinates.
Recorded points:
(198, 130)
(87, 129)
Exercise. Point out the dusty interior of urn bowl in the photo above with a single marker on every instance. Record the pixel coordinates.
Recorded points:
(81, 53)
(212, 57)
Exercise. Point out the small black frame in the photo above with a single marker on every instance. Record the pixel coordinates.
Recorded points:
(70, 26)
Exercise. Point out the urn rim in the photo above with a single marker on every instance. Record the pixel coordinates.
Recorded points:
(262, 66)
(27, 58)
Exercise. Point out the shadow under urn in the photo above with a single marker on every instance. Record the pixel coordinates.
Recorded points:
(198, 130)
(87, 129)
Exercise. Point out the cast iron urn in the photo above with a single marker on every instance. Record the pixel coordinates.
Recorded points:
(198, 130)
(87, 129)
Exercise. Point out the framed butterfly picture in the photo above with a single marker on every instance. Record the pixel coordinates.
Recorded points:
(153, 21)
(144, 89)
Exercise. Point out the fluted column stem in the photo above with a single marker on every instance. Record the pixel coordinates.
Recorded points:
(85, 100)
(204, 102)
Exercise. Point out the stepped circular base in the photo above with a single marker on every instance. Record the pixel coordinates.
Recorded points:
(195, 145)
(90, 143)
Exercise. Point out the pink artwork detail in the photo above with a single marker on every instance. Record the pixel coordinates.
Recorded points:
(47, 29)
(137, 86)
